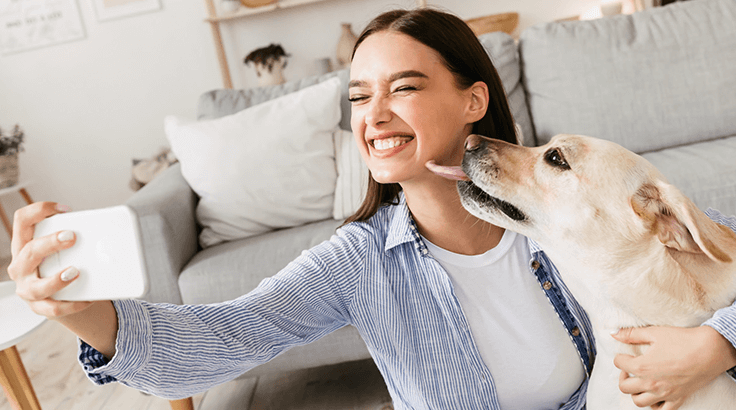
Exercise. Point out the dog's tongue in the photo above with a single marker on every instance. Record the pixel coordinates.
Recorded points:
(455, 173)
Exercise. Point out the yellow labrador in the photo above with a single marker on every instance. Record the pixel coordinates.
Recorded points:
(631, 247)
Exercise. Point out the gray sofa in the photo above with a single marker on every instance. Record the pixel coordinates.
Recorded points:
(661, 82)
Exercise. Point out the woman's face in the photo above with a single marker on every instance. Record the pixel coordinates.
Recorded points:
(406, 108)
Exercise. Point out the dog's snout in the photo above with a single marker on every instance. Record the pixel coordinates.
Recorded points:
(474, 142)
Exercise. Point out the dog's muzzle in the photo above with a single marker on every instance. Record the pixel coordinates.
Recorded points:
(471, 191)
(476, 168)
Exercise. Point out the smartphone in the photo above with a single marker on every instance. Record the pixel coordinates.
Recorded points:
(108, 254)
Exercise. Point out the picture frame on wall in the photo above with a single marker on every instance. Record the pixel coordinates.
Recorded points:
(32, 24)
(114, 9)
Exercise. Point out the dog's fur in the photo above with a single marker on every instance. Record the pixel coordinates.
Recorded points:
(632, 249)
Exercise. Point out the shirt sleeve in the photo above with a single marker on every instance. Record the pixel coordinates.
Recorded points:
(175, 351)
(724, 320)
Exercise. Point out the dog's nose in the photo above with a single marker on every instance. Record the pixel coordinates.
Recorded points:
(474, 142)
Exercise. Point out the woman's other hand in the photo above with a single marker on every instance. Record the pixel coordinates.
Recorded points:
(677, 363)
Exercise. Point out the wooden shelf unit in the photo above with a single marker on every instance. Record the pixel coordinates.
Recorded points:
(214, 19)
(249, 11)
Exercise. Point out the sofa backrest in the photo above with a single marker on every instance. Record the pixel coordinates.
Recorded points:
(500, 46)
(505, 57)
(648, 81)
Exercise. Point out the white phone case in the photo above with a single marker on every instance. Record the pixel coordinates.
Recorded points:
(107, 253)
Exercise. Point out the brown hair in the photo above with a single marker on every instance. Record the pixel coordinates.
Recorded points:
(466, 59)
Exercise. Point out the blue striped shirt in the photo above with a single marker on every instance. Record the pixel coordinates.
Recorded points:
(377, 276)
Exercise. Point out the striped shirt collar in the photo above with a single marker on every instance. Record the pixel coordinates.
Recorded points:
(403, 228)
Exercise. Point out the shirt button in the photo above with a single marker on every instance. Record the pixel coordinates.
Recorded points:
(575, 331)
(535, 265)
(547, 285)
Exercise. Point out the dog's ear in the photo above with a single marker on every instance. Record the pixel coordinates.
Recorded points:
(679, 224)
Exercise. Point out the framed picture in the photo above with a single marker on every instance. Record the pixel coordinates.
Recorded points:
(113, 9)
(29, 24)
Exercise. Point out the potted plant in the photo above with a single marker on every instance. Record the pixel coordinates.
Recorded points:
(269, 63)
(10, 145)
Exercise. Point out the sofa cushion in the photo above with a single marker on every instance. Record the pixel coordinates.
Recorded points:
(218, 103)
(232, 269)
(352, 175)
(267, 167)
(655, 79)
(503, 52)
(705, 172)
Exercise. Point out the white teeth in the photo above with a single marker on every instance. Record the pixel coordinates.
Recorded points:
(388, 143)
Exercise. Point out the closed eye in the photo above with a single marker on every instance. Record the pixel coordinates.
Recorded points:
(554, 157)
(357, 98)
(405, 88)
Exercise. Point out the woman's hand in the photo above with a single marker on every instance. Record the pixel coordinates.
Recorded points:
(677, 363)
(28, 253)
(94, 322)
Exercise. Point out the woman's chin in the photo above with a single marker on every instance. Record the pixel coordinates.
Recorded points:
(384, 177)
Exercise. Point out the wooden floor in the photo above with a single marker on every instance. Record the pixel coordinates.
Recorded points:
(49, 355)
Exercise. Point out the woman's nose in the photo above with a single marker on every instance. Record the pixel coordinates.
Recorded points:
(378, 111)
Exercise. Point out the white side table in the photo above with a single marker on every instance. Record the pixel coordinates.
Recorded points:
(21, 189)
(17, 320)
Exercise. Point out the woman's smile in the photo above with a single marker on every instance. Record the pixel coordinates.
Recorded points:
(388, 144)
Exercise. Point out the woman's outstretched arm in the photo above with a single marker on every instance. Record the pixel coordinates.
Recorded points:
(94, 322)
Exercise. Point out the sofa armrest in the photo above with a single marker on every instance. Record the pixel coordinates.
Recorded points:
(166, 213)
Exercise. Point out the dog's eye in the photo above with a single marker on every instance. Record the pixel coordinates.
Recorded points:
(554, 157)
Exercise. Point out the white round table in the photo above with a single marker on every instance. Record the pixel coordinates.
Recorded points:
(17, 321)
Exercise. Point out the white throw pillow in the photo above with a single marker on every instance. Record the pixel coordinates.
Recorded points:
(267, 167)
(352, 176)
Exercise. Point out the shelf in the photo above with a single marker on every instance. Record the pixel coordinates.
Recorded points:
(214, 19)
(249, 11)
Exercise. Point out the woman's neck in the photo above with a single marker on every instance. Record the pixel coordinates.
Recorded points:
(442, 219)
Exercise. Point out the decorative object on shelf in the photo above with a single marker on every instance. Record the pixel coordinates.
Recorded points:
(109, 10)
(26, 25)
(269, 63)
(229, 6)
(603, 10)
(345, 46)
(610, 8)
(144, 170)
(10, 145)
(505, 22)
(257, 3)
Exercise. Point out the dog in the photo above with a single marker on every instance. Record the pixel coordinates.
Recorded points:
(632, 249)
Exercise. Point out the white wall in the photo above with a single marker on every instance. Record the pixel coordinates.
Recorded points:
(88, 107)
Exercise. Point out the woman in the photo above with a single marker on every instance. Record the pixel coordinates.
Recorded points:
(449, 306)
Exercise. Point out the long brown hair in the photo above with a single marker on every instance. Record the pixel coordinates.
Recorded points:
(466, 59)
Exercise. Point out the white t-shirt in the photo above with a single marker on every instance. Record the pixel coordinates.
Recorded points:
(519, 335)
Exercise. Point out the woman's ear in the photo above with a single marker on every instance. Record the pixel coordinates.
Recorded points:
(478, 101)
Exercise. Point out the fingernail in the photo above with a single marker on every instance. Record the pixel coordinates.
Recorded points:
(63, 208)
(69, 274)
(614, 331)
(65, 236)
